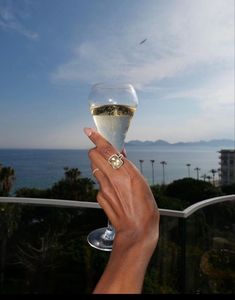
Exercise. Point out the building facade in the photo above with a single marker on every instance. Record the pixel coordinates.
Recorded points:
(227, 165)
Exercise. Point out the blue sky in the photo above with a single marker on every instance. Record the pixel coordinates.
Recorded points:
(52, 51)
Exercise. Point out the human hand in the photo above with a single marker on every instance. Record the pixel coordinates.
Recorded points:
(125, 197)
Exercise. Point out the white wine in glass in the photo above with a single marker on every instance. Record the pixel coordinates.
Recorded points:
(112, 106)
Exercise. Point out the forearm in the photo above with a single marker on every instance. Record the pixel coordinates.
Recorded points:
(125, 271)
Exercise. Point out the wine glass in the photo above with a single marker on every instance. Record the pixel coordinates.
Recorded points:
(112, 106)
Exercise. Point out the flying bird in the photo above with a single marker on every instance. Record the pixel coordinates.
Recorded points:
(142, 41)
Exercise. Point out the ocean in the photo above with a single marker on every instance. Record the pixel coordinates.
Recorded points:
(42, 168)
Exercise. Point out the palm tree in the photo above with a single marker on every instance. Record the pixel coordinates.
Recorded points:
(209, 178)
(213, 171)
(7, 177)
(141, 163)
(188, 166)
(73, 186)
(204, 176)
(72, 174)
(163, 170)
(152, 162)
(197, 169)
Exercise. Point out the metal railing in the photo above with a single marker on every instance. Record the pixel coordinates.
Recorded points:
(84, 204)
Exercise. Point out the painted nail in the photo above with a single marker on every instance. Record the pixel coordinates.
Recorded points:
(88, 131)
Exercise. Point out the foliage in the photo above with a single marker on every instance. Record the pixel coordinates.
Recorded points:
(164, 201)
(223, 260)
(48, 251)
(33, 193)
(44, 249)
(190, 190)
(183, 192)
(7, 177)
(80, 189)
(71, 187)
(228, 189)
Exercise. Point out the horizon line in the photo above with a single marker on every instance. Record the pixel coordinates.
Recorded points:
(126, 144)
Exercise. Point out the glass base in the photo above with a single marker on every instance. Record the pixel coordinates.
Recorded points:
(101, 239)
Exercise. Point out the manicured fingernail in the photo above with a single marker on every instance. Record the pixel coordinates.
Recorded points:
(88, 131)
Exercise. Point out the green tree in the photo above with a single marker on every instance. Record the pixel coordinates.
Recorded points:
(72, 174)
(7, 177)
(33, 193)
(228, 189)
(9, 215)
(213, 172)
(40, 260)
(73, 187)
(166, 202)
(191, 191)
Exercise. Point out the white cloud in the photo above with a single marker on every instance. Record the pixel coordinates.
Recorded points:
(216, 94)
(181, 35)
(11, 18)
(205, 126)
(213, 117)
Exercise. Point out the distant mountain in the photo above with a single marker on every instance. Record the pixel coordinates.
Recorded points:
(148, 143)
(214, 143)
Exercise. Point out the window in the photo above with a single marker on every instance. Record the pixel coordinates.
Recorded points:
(224, 162)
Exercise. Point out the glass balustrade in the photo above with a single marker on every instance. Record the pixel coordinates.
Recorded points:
(43, 249)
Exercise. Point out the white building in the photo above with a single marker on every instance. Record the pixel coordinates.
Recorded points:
(227, 163)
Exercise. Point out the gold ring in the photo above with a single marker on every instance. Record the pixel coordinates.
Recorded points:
(95, 170)
(116, 161)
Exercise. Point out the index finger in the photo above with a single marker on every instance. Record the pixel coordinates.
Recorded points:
(98, 139)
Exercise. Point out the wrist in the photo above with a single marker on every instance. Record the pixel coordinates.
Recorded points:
(130, 240)
(130, 255)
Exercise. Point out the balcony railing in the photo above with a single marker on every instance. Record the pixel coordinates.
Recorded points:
(44, 248)
(84, 204)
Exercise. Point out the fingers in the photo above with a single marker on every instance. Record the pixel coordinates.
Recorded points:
(100, 176)
(96, 138)
(99, 161)
(103, 146)
(108, 208)
(101, 154)
(106, 196)
(127, 170)
(105, 186)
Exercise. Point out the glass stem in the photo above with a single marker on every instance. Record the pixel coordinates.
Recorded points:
(109, 232)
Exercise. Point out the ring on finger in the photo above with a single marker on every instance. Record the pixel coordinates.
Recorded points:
(95, 170)
(116, 161)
